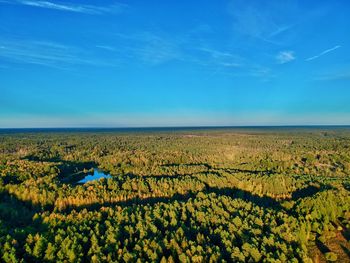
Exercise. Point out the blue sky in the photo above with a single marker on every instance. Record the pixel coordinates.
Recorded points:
(174, 63)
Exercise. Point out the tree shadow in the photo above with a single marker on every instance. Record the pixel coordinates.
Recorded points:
(17, 213)
(34, 158)
(310, 191)
(10, 179)
(69, 171)
(73, 171)
(346, 250)
(131, 202)
(346, 186)
(345, 232)
(208, 166)
(257, 172)
(322, 247)
(18, 221)
(161, 176)
(262, 201)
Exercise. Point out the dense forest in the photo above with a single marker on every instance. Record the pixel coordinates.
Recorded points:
(201, 195)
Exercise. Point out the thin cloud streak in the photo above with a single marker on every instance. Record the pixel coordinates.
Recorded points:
(281, 30)
(156, 49)
(345, 75)
(323, 53)
(108, 48)
(267, 22)
(69, 7)
(48, 54)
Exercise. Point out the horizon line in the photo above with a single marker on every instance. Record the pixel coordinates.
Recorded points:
(177, 127)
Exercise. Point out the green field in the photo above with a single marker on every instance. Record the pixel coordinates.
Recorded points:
(201, 195)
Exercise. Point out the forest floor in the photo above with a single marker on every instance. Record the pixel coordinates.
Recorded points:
(339, 245)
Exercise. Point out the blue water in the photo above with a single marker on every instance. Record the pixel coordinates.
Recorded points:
(95, 176)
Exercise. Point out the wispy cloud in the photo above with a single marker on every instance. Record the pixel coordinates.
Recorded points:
(285, 57)
(148, 48)
(341, 75)
(264, 21)
(229, 63)
(280, 30)
(108, 48)
(157, 49)
(216, 53)
(323, 53)
(219, 58)
(71, 7)
(50, 54)
(139, 48)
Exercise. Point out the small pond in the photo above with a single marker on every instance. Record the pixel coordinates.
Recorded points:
(98, 174)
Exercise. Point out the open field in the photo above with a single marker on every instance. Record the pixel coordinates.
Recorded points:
(183, 195)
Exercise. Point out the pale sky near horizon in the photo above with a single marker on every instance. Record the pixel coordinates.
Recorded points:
(174, 63)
